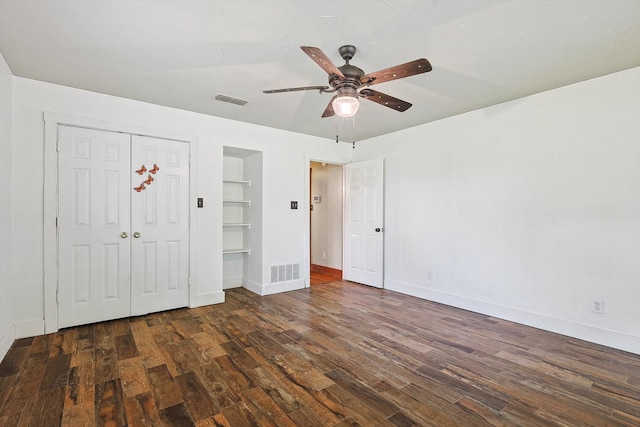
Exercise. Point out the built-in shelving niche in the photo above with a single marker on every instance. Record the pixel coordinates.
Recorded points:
(242, 217)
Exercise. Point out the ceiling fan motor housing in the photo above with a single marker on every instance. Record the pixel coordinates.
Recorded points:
(351, 73)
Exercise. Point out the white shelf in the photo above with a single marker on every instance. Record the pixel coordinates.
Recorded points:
(237, 181)
(248, 202)
(237, 224)
(236, 251)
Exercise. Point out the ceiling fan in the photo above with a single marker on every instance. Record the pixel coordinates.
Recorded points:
(351, 83)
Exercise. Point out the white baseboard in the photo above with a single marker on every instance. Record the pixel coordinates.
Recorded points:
(31, 328)
(6, 341)
(569, 328)
(274, 288)
(207, 299)
(235, 282)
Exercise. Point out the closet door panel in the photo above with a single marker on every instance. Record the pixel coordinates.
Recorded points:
(93, 226)
(160, 225)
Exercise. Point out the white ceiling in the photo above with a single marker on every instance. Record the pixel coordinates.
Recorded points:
(182, 53)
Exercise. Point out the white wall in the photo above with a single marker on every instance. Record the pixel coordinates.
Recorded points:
(527, 210)
(326, 218)
(6, 309)
(284, 176)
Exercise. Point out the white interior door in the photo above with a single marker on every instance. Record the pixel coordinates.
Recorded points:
(160, 225)
(93, 226)
(364, 223)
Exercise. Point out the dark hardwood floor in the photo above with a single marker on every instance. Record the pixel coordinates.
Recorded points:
(338, 354)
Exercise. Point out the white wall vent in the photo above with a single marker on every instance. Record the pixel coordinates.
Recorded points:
(231, 100)
(285, 273)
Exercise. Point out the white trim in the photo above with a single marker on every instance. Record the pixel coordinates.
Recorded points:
(582, 331)
(274, 288)
(50, 242)
(233, 282)
(6, 341)
(29, 328)
(208, 299)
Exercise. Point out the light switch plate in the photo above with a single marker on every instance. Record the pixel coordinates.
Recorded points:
(294, 204)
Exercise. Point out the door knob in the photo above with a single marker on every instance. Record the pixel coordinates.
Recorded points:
(124, 234)
(377, 230)
(136, 234)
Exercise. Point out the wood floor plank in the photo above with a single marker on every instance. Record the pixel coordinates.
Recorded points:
(216, 384)
(239, 356)
(365, 394)
(165, 391)
(239, 415)
(421, 413)
(80, 415)
(233, 376)
(6, 384)
(141, 410)
(47, 408)
(196, 397)
(110, 408)
(302, 372)
(126, 346)
(346, 405)
(177, 416)
(81, 385)
(265, 411)
(283, 396)
(106, 363)
(56, 373)
(19, 402)
(133, 377)
(306, 417)
(146, 345)
(336, 354)
(63, 343)
(13, 361)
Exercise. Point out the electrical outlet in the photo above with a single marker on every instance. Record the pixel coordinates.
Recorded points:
(429, 276)
(597, 306)
(324, 255)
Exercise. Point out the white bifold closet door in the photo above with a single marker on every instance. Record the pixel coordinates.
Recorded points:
(123, 225)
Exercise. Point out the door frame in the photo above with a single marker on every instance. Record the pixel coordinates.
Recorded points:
(50, 199)
(308, 158)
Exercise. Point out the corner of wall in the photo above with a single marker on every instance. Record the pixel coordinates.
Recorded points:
(7, 330)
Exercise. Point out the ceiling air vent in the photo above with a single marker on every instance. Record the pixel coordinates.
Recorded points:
(231, 100)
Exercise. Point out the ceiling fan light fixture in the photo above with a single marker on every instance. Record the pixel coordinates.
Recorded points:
(346, 103)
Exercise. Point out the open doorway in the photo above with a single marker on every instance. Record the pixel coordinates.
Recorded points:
(325, 222)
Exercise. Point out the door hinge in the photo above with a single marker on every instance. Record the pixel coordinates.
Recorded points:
(57, 295)
(56, 222)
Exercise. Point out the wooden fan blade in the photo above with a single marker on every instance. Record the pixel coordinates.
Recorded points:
(322, 60)
(328, 112)
(293, 89)
(398, 72)
(386, 100)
